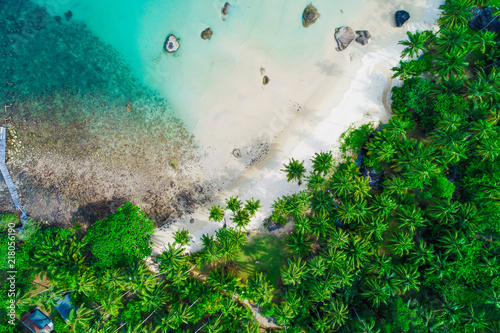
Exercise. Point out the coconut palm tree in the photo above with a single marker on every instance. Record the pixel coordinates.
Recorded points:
(295, 170)
(253, 206)
(280, 210)
(357, 252)
(449, 64)
(172, 259)
(394, 184)
(259, 289)
(322, 162)
(216, 213)
(416, 43)
(321, 225)
(293, 273)
(341, 183)
(182, 237)
(298, 243)
(439, 267)
(113, 279)
(321, 202)
(79, 320)
(375, 291)
(375, 228)
(336, 312)
(489, 149)
(241, 218)
(384, 205)
(283, 314)
(442, 211)
(410, 217)
(397, 127)
(452, 40)
(401, 243)
(339, 238)
(302, 223)
(455, 13)
(422, 253)
(297, 203)
(482, 40)
(139, 278)
(454, 242)
(233, 204)
(406, 278)
(316, 182)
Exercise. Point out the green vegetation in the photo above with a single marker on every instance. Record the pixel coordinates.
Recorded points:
(404, 240)
(122, 238)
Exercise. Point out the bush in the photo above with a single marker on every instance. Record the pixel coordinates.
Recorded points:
(442, 187)
(355, 138)
(122, 238)
(412, 96)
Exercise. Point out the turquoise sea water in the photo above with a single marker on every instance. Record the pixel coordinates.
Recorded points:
(202, 73)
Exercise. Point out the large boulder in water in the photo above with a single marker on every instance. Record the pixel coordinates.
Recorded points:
(171, 44)
(344, 37)
(363, 37)
(309, 16)
(483, 19)
(207, 33)
(225, 9)
(401, 17)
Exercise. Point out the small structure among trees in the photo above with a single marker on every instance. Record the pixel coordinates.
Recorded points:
(37, 322)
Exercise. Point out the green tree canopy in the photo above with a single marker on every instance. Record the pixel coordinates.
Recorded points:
(121, 238)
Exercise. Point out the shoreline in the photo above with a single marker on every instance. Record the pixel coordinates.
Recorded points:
(366, 98)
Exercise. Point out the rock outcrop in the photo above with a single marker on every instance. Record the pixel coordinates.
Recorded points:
(171, 44)
(363, 37)
(483, 19)
(226, 8)
(401, 17)
(207, 33)
(309, 16)
(344, 37)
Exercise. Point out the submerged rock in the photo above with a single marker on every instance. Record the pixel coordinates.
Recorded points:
(207, 33)
(265, 80)
(236, 153)
(344, 37)
(401, 17)
(226, 8)
(128, 108)
(171, 44)
(364, 37)
(483, 19)
(68, 15)
(309, 16)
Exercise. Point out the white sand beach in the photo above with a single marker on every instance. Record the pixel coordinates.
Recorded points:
(352, 87)
(216, 86)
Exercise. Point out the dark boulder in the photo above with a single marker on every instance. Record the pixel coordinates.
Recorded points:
(374, 178)
(483, 19)
(309, 16)
(401, 17)
(265, 80)
(207, 33)
(225, 9)
(363, 37)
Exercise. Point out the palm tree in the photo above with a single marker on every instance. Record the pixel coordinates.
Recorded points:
(315, 182)
(294, 272)
(375, 291)
(322, 162)
(153, 299)
(182, 237)
(321, 201)
(79, 320)
(483, 130)
(317, 266)
(321, 225)
(113, 279)
(361, 189)
(253, 206)
(336, 312)
(489, 149)
(454, 242)
(416, 42)
(295, 170)
(439, 268)
(343, 275)
(407, 278)
(401, 243)
(395, 184)
(481, 40)
(259, 289)
(233, 204)
(172, 259)
(297, 203)
(443, 211)
(339, 238)
(421, 254)
(384, 205)
(449, 64)
(411, 217)
(283, 314)
(216, 213)
(139, 278)
(453, 40)
(84, 282)
(341, 183)
(375, 228)
(357, 252)
(299, 243)
(397, 128)
(303, 224)
(241, 218)
(455, 13)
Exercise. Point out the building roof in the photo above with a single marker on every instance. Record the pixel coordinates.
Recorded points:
(64, 306)
(37, 322)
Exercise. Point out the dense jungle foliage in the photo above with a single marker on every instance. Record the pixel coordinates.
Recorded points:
(402, 235)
